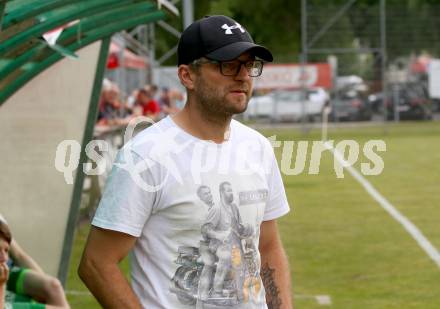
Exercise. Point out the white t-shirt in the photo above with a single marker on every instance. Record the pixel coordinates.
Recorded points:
(196, 208)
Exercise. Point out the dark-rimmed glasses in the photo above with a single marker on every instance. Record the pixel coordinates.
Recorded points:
(233, 67)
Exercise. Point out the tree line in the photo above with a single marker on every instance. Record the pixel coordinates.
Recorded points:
(412, 26)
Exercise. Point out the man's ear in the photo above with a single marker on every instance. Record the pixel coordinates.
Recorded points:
(186, 76)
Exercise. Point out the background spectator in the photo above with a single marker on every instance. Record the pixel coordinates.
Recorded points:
(146, 105)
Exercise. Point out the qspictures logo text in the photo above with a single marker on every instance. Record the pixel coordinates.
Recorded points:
(295, 156)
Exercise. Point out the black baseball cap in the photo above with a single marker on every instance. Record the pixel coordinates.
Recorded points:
(219, 38)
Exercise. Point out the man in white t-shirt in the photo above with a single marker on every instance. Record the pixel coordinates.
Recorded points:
(193, 246)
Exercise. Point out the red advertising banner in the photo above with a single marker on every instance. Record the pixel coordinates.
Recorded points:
(280, 76)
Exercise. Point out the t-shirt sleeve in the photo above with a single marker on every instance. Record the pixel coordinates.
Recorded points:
(277, 204)
(130, 194)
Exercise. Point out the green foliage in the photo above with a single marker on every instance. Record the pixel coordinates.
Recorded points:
(413, 26)
(274, 24)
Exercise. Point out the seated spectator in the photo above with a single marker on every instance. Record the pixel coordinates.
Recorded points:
(146, 105)
(27, 286)
(131, 100)
(167, 102)
(108, 103)
(152, 89)
(111, 110)
(177, 99)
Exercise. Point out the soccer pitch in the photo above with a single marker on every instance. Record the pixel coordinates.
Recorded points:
(345, 250)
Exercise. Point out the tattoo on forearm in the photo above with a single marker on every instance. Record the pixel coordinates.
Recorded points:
(273, 299)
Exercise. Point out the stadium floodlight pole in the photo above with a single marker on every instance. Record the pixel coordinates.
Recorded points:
(303, 63)
(383, 41)
(122, 70)
(150, 39)
(188, 13)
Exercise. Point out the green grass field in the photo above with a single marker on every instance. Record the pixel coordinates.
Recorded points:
(340, 242)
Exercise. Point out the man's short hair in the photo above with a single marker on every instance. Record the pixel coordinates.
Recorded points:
(5, 232)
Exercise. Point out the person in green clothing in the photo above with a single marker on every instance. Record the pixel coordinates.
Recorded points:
(5, 240)
(25, 286)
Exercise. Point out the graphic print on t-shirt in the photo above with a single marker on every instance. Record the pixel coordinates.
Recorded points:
(225, 269)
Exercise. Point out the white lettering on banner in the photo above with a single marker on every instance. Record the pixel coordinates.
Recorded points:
(287, 76)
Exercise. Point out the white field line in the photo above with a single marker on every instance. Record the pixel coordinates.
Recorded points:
(421, 240)
(323, 300)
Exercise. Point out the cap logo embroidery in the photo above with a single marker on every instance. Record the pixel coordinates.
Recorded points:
(228, 29)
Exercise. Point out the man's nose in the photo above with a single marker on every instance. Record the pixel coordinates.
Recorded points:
(243, 73)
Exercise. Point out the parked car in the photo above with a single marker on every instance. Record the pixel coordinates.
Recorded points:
(375, 100)
(436, 105)
(288, 105)
(350, 105)
(411, 100)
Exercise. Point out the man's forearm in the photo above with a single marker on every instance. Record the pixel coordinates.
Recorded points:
(276, 279)
(108, 285)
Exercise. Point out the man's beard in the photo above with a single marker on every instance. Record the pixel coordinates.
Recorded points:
(212, 101)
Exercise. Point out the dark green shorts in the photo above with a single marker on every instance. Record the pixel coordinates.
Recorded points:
(15, 285)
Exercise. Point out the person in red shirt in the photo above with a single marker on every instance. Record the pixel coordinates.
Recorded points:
(146, 105)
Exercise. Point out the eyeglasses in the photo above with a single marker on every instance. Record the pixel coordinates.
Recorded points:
(232, 68)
